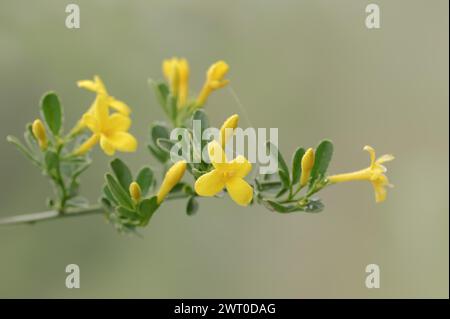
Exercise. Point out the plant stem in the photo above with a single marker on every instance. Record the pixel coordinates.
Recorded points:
(49, 215)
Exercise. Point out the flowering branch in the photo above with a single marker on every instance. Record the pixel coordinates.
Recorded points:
(129, 201)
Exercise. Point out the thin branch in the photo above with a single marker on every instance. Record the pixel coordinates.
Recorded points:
(49, 215)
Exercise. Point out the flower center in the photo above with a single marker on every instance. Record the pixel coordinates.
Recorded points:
(227, 175)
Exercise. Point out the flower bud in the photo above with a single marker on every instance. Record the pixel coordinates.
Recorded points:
(307, 165)
(214, 80)
(170, 71)
(227, 129)
(183, 76)
(172, 177)
(216, 73)
(135, 191)
(38, 130)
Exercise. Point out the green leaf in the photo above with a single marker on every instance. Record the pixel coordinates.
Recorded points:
(159, 154)
(159, 130)
(297, 164)
(122, 196)
(146, 208)
(145, 179)
(172, 106)
(265, 186)
(122, 173)
(282, 167)
(127, 213)
(51, 110)
(165, 144)
(109, 195)
(323, 156)
(284, 177)
(191, 206)
(52, 164)
(281, 192)
(24, 150)
(161, 92)
(177, 188)
(201, 116)
(279, 207)
(291, 208)
(30, 139)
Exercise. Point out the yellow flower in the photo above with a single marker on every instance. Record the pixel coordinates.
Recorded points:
(374, 174)
(307, 165)
(226, 174)
(214, 80)
(98, 87)
(183, 74)
(109, 130)
(170, 71)
(38, 130)
(227, 129)
(135, 191)
(172, 177)
(176, 72)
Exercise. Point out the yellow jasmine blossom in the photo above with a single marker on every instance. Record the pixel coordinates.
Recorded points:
(170, 71)
(99, 87)
(183, 75)
(38, 130)
(227, 129)
(176, 72)
(109, 130)
(135, 191)
(374, 174)
(214, 80)
(172, 177)
(307, 165)
(226, 174)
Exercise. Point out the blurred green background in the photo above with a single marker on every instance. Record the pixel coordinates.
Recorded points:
(310, 68)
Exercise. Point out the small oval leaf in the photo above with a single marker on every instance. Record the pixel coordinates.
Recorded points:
(192, 206)
(323, 156)
(122, 172)
(51, 110)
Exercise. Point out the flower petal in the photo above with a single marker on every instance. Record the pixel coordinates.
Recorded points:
(240, 191)
(372, 154)
(107, 146)
(385, 158)
(119, 122)
(218, 84)
(217, 155)
(380, 192)
(94, 86)
(119, 106)
(217, 71)
(91, 122)
(209, 184)
(101, 88)
(101, 111)
(87, 145)
(122, 141)
(240, 166)
(88, 85)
